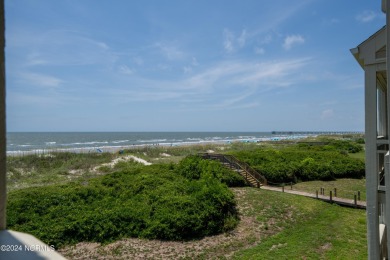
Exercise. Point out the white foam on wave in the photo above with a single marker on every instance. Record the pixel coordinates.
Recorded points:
(86, 143)
(152, 141)
(120, 141)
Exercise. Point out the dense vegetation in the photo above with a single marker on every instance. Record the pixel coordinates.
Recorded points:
(169, 202)
(194, 168)
(306, 162)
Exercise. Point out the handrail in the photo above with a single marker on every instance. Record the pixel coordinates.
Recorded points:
(234, 162)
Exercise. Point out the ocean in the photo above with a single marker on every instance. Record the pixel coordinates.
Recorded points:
(21, 142)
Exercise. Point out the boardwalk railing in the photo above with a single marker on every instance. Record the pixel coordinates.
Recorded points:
(237, 165)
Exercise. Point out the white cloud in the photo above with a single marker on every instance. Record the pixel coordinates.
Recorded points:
(234, 101)
(271, 74)
(194, 62)
(228, 41)
(231, 43)
(34, 59)
(125, 70)
(187, 69)
(138, 61)
(230, 84)
(242, 39)
(267, 39)
(259, 50)
(327, 113)
(331, 21)
(163, 67)
(40, 80)
(366, 16)
(60, 48)
(291, 40)
(37, 100)
(237, 78)
(170, 51)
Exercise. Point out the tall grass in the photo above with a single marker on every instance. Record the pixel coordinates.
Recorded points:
(40, 170)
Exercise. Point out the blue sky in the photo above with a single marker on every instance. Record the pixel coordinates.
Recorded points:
(212, 65)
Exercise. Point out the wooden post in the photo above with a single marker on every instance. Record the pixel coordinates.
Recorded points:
(330, 196)
(371, 161)
(354, 200)
(335, 192)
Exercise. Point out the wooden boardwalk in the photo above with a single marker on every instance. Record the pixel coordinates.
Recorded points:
(336, 200)
(257, 180)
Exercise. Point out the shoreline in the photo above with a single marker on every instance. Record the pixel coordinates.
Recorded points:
(116, 149)
(109, 149)
(115, 146)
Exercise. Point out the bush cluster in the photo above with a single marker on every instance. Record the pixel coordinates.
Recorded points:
(169, 202)
(194, 167)
(343, 146)
(292, 165)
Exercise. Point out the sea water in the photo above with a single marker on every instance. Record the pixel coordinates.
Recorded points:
(19, 142)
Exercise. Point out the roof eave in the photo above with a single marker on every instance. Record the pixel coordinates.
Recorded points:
(355, 53)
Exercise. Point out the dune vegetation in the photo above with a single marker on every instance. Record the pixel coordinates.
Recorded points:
(103, 205)
(169, 202)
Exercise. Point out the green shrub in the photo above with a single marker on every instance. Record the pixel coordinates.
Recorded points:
(152, 202)
(292, 164)
(194, 168)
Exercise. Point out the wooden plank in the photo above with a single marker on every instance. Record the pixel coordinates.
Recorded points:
(339, 201)
(371, 162)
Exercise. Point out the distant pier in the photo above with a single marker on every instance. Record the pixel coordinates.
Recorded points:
(315, 132)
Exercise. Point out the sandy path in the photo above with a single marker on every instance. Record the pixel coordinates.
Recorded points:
(121, 159)
(137, 159)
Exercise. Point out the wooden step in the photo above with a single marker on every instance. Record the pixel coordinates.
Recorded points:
(233, 164)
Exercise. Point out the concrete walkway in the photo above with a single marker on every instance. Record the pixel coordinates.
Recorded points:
(336, 200)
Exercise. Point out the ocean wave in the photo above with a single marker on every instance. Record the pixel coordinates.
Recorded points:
(193, 139)
(246, 137)
(76, 141)
(120, 141)
(152, 141)
(86, 143)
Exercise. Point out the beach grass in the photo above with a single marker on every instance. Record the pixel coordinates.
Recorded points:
(31, 170)
(46, 169)
(360, 155)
